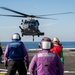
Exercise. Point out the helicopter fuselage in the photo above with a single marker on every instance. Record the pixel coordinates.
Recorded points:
(30, 27)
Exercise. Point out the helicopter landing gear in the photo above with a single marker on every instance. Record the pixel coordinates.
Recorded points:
(38, 35)
(33, 37)
(22, 34)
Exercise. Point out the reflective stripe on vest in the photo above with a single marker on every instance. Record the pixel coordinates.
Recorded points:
(45, 54)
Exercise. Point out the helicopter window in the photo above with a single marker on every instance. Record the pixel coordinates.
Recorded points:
(25, 25)
(26, 22)
(31, 24)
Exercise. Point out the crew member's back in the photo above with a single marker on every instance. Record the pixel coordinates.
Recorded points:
(45, 62)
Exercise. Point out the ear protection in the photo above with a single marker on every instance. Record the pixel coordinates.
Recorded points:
(16, 36)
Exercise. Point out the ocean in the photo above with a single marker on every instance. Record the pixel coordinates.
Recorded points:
(34, 45)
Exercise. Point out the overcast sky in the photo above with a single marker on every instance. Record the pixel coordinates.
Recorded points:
(63, 27)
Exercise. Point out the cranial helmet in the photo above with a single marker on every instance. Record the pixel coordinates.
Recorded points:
(46, 43)
(16, 36)
(55, 39)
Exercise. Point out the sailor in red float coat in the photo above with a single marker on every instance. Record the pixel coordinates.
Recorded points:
(57, 48)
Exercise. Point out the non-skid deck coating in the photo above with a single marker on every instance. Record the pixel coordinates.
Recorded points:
(69, 64)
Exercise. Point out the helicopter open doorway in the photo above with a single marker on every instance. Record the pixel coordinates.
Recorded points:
(30, 27)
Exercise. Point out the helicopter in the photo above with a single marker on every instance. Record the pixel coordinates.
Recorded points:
(30, 27)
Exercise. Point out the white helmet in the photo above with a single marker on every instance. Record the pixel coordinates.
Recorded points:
(46, 43)
(16, 36)
(55, 39)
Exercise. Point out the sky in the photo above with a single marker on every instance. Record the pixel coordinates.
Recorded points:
(63, 27)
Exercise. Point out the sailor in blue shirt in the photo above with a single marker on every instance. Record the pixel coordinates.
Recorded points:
(15, 54)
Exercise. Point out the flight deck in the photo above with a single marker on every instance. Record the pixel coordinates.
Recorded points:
(69, 63)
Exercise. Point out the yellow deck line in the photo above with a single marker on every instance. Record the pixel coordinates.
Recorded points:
(2, 74)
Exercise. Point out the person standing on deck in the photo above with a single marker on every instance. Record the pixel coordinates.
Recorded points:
(57, 48)
(14, 56)
(1, 53)
(45, 62)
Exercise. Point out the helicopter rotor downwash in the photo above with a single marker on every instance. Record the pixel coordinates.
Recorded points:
(30, 27)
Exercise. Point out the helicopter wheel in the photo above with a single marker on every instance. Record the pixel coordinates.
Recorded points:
(38, 34)
(33, 38)
(22, 34)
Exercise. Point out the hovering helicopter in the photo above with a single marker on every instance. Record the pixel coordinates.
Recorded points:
(30, 27)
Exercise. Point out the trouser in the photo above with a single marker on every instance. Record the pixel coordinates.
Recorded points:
(0, 59)
(14, 66)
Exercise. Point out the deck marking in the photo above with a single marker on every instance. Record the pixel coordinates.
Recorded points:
(5, 71)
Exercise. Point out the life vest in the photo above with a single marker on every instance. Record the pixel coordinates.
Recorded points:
(56, 49)
(15, 50)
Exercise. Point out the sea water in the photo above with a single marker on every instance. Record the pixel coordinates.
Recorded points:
(28, 45)
(34, 45)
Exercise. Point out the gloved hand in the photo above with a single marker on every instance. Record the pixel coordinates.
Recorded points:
(6, 64)
(27, 65)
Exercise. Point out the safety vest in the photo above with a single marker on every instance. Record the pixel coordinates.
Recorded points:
(58, 49)
(15, 50)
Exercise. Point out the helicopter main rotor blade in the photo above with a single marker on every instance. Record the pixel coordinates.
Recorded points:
(11, 15)
(25, 15)
(57, 14)
(44, 18)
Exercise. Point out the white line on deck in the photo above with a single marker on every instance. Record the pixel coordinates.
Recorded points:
(69, 71)
(5, 71)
